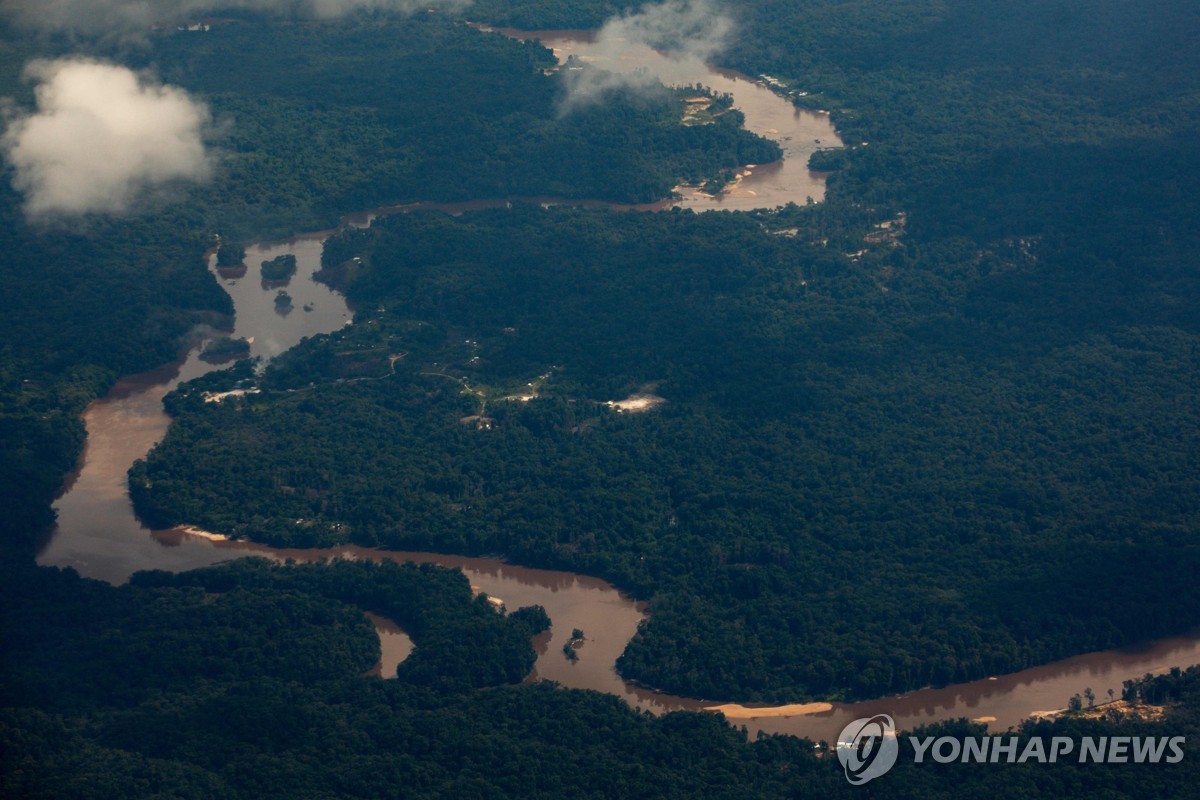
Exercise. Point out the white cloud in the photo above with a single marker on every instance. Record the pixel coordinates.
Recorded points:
(686, 31)
(102, 139)
(126, 16)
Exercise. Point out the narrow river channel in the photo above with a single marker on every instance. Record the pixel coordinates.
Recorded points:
(98, 534)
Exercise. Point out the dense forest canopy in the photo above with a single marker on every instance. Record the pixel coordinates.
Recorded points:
(880, 479)
(892, 455)
(261, 694)
(309, 123)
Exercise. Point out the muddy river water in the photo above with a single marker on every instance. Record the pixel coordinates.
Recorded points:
(99, 535)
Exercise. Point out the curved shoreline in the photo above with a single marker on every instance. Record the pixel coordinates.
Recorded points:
(609, 618)
(99, 535)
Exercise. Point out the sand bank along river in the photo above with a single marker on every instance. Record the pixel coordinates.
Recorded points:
(99, 535)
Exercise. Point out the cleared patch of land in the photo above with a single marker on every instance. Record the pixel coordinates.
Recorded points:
(636, 403)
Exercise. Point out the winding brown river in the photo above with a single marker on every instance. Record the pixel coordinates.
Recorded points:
(99, 535)
(798, 132)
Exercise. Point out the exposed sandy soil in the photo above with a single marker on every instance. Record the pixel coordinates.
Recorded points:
(1125, 709)
(216, 397)
(736, 711)
(1121, 707)
(192, 530)
(636, 403)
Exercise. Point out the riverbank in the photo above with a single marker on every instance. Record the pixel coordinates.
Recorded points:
(94, 551)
